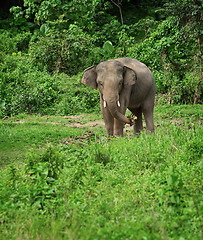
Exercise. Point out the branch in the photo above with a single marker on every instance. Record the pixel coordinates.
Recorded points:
(120, 10)
(176, 65)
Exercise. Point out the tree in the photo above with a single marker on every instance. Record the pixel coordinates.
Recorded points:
(119, 4)
(188, 15)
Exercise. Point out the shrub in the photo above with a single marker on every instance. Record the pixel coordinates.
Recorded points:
(35, 185)
(69, 51)
(75, 97)
(24, 88)
(14, 41)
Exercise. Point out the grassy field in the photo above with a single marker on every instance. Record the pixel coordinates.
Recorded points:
(61, 178)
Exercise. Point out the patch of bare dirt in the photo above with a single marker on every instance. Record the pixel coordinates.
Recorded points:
(76, 121)
(74, 117)
(80, 140)
(91, 124)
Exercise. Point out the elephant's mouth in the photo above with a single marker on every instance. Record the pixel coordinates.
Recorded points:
(105, 102)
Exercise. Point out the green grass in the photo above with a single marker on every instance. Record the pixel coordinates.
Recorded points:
(20, 133)
(91, 187)
(18, 137)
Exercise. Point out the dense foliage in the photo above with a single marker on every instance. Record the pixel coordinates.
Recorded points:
(41, 39)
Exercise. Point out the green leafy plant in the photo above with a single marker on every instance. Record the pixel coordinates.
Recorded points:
(108, 47)
(173, 189)
(44, 29)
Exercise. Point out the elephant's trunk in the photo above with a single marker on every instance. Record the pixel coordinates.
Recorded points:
(113, 108)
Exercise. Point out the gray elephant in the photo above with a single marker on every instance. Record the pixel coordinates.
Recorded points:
(123, 83)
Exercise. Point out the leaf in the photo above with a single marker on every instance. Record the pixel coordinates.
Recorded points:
(45, 172)
(50, 179)
(108, 46)
(44, 29)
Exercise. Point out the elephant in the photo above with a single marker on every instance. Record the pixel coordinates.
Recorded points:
(123, 83)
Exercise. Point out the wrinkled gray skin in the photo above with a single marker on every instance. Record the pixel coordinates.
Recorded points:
(123, 83)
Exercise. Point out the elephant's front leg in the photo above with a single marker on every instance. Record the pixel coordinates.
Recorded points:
(108, 118)
(118, 127)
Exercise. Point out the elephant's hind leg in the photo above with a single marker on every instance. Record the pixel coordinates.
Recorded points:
(149, 119)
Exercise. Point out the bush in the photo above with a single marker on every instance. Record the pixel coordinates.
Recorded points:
(24, 88)
(75, 97)
(69, 51)
(38, 179)
(173, 91)
(13, 41)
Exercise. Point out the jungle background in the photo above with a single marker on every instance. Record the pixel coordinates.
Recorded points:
(46, 45)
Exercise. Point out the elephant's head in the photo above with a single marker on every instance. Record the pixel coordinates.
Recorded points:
(111, 77)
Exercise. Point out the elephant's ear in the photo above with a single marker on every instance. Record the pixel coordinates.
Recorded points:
(89, 77)
(130, 77)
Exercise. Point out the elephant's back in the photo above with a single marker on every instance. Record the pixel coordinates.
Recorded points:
(139, 67)
(129, 62)
(145, 81)
(142, 71)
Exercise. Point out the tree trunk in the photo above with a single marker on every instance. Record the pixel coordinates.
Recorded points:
(118, 4)
(200, 73)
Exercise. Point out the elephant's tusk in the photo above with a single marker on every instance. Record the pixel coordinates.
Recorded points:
(104, 104)
(119, 104)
